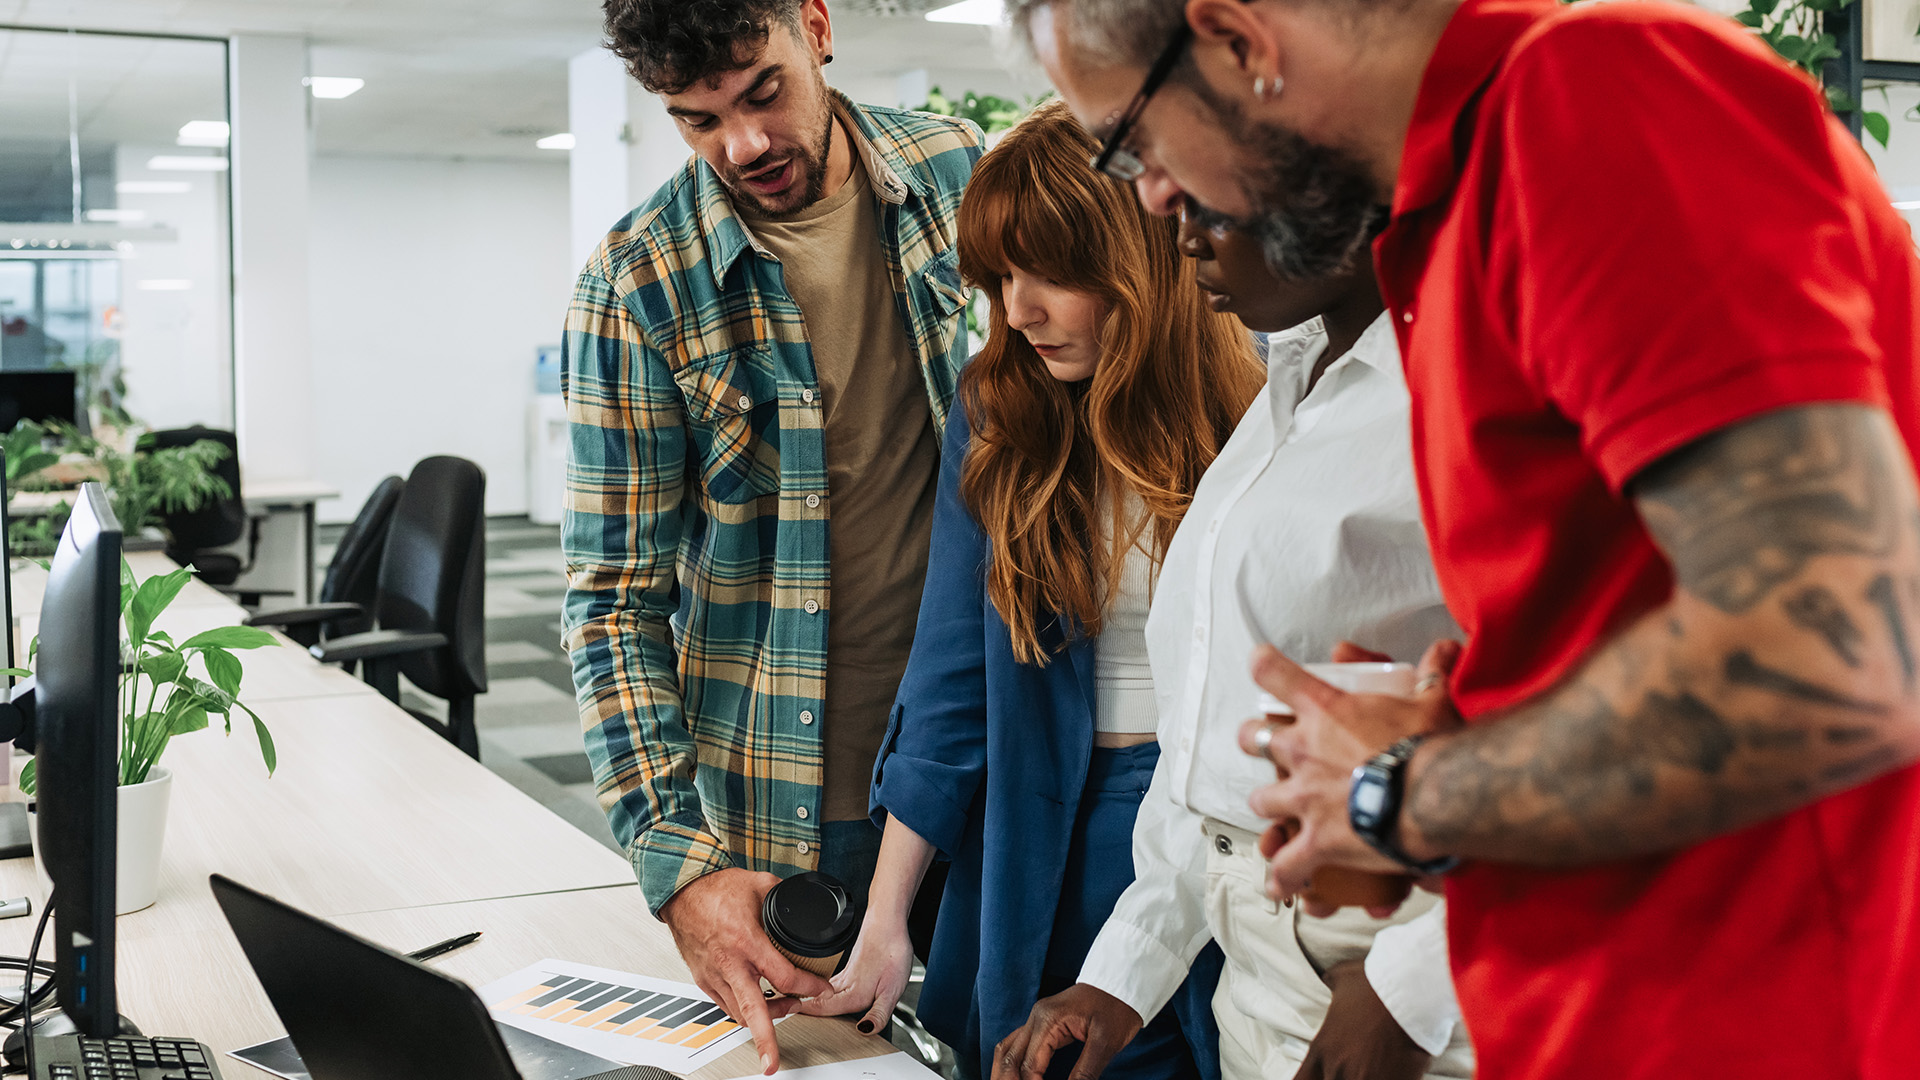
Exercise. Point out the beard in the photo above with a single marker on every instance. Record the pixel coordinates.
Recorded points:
(1315, 211)
(811, 160)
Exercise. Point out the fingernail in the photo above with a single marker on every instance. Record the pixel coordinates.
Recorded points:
(864, 1027)
(766, 1064)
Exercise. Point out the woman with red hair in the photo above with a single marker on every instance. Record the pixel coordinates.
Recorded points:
(1022, 739)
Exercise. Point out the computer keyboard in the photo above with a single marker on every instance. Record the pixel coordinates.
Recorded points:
(71, 1057)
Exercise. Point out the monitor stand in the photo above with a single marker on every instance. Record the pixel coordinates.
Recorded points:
(54, 1023)
(15, 841)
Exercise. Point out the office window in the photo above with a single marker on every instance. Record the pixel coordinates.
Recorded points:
(115, 251)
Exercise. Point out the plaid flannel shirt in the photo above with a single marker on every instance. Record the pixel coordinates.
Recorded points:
(699, 594)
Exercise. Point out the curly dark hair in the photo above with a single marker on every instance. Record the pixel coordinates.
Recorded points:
(668, 45)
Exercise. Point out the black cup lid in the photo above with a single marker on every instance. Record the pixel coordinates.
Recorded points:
(811, 914)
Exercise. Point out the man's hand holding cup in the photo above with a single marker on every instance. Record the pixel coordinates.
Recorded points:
(1333, 732)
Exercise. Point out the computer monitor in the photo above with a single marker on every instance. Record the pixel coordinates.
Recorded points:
(38, 396)
(76, 718)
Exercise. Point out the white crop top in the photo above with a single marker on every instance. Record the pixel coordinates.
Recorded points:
(1122, 679)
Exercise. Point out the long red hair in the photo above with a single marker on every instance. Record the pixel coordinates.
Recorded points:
(1050, 461)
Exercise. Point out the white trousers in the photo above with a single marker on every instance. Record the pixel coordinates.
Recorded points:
(1272, 995)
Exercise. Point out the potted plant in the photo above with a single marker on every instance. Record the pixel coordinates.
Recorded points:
(140, 483)
(167, 688)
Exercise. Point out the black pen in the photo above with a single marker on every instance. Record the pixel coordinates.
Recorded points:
(446, 946)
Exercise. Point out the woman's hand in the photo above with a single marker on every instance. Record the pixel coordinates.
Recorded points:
(873, 979)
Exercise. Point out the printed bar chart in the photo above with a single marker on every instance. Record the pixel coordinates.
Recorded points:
(621, 1010)
(615, 1014)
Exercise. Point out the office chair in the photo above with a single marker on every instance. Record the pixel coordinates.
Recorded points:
(429, 601)
(192, 535)
(348, 592)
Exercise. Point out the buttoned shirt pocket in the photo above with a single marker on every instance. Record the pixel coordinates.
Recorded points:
(946, 296)
(733, 401)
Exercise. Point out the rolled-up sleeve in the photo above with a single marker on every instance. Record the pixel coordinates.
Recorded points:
(1409, 971)
(621, 526)
(1160, 923)
(935, 751)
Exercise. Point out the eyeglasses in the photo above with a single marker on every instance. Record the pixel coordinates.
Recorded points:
(1114, 159)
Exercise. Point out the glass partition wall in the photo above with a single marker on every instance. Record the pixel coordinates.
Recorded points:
(115, 252)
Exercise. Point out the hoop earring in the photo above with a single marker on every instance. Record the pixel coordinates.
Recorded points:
(1265, 90)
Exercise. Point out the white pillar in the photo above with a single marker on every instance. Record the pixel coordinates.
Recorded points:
(597, 165)
(655, 150)
(273, 347)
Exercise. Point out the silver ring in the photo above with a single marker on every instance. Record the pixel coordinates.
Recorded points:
(1263, 737)
(1429, 681)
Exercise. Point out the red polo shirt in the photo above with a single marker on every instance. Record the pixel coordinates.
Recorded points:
(1619, 227)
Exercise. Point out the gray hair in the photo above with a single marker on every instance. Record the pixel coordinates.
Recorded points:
(1130, 32)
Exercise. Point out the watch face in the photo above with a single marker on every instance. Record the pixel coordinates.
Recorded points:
(1368, 798)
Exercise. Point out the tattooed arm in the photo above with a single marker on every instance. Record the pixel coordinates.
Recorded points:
(1781, 671)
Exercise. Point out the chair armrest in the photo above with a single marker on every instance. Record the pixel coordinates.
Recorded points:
(376, 644)
(305, 616)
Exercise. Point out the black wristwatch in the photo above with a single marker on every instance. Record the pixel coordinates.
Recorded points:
(1373, 806)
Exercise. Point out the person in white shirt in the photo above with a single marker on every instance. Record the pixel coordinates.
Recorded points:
(1305, 533)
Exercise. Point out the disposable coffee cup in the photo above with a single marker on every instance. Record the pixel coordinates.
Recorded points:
(1340, 885)
(812, 920)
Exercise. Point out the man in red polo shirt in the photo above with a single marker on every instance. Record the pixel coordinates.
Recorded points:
(1658, 323)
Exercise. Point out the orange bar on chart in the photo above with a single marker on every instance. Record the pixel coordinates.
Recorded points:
(713, 1031)
(518, 1002)
(602, 1013)
(679, 1034)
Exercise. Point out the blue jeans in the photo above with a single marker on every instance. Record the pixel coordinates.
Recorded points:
(1183, 1042)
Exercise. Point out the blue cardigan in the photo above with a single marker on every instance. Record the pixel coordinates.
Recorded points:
(985, 758)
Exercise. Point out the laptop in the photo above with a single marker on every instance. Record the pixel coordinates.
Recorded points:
(357, 1011)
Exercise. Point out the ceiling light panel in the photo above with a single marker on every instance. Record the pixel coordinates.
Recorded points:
(977, 12)
(203, 133)
(562, 141)
(334, 86)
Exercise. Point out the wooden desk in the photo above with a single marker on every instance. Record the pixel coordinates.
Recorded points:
(200, 983)
(382, 826)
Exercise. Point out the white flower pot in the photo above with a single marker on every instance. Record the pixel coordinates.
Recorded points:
(142, 828)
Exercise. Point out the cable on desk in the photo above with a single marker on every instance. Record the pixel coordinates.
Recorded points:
(10, 1006)
(26, 980)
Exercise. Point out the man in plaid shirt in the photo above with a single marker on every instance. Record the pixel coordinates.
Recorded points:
(758, 363)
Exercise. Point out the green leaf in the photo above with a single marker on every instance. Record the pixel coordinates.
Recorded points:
(191, 718)
(33, 648)
(1792, 46)
(1877, 126)
(1762, 7)
(267, 753)
(223, 668)
(1840, 101)
(16, 672)
(27, 783)
(207, 695)
(230, 637)
(127, 583)
(151, 599)
(163, 668)
(1750, 18)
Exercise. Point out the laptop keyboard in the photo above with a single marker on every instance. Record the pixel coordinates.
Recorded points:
(71, 1057)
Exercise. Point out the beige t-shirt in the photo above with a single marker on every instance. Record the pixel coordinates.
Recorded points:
(882, 464)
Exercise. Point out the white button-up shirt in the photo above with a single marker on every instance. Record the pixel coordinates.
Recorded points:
(1304, 532)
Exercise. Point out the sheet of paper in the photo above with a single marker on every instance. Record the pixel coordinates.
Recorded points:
(277, 1057)
(628, 1018)
(895, 1066)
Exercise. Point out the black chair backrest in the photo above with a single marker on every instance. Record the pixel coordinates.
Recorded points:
(433, 574)
(219, 521)
(353, 576)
